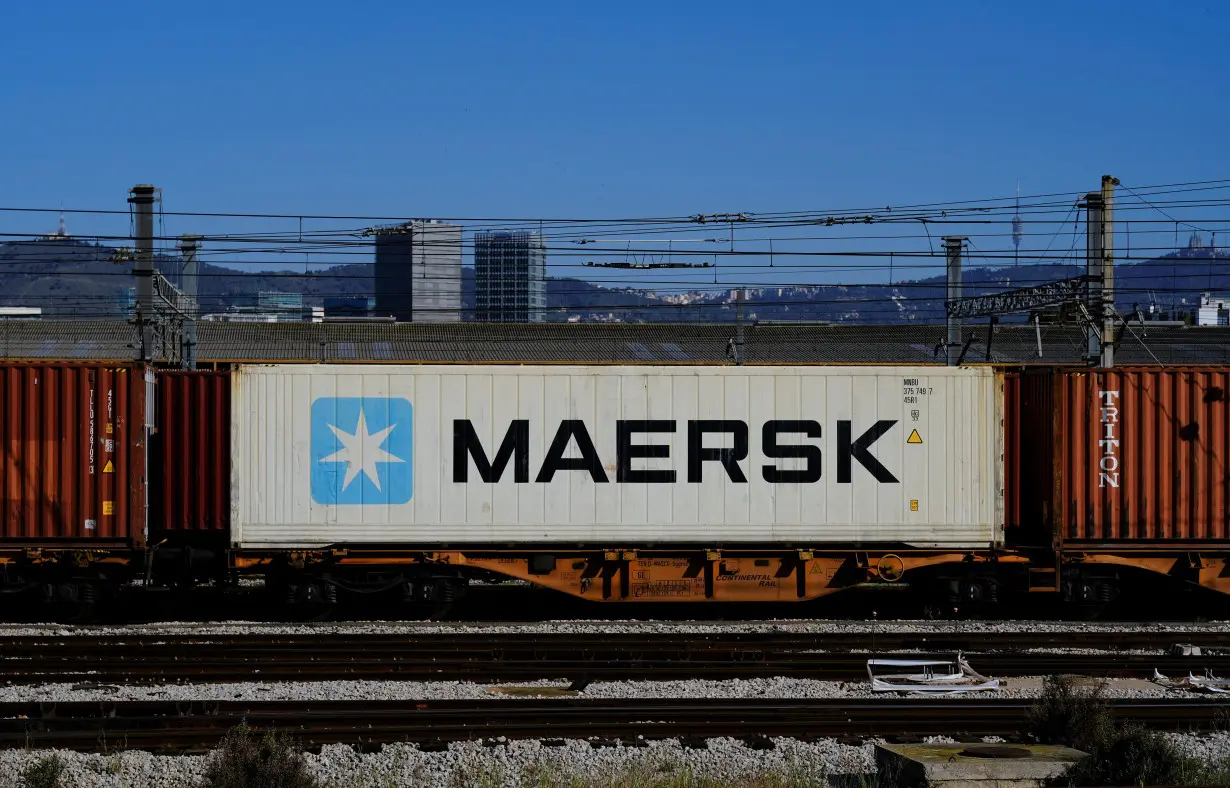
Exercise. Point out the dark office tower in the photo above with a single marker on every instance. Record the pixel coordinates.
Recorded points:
(510, 277)
(418, 272)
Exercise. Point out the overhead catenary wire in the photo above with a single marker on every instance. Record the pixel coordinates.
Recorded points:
(793, 250)
(974, 204)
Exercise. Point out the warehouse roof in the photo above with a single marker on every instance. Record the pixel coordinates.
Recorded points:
(630, 343)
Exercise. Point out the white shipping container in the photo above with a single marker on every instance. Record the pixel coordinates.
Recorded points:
(616, 456)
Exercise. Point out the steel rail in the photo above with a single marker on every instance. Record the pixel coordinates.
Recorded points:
(445, 637)
(490, 658)
(288, 667)
(198, 726)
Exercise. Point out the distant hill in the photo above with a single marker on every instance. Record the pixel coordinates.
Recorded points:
(67, 277)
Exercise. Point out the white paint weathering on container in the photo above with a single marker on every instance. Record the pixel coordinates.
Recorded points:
(308, 472)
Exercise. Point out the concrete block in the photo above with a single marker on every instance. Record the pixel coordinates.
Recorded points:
(971, 765)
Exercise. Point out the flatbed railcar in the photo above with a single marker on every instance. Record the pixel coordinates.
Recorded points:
(637, 483)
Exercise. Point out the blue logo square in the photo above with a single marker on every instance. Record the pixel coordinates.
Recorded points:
(362, 450)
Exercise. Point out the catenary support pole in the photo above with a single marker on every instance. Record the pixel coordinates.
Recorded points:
(1093, 270)
(954, 245)
(739, 295)
(188, 245)
(141, 197)
(1107, 355)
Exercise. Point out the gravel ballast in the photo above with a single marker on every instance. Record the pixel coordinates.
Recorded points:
(1024, 687)
(512, 764)
(596, 627)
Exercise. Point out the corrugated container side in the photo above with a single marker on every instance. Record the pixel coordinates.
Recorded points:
(1012, 466)
(1029, 458)
(73, 445)
(191, 453)
(1143, 453)
(384, 454)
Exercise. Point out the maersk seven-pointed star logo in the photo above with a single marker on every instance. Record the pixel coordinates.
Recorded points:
(362, 451)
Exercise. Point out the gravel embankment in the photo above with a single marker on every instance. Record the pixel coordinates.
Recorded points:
(1026, 687)
(595, 627)
(513, 764)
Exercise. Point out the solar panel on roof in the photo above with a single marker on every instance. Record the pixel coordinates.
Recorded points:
(347, 350)
(640, 351)
(382, 351)
(674, 352)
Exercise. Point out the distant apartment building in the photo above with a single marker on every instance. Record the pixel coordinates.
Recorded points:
(126, 301)
(349, 306)
(510, 277)
(418, 272)
(274, 301)
(1214, 310)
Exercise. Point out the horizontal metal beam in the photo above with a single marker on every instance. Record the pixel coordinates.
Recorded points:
(648, 265)
(1020, 300)
(168, 299)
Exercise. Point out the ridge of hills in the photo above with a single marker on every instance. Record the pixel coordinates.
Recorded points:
(68, 277)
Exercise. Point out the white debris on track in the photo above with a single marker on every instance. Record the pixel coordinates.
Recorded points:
(513, 763)
(1014, 688)
(598, 627)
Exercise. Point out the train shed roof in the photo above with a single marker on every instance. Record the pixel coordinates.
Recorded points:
(623, 343)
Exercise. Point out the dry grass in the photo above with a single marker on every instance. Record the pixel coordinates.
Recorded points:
(249, 759)
(665, 773)
(531, 692)
(1073, 713)
(1079, 716)
(46, 772)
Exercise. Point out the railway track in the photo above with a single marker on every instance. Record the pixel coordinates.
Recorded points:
(488, 658)
(444, 636)
(190, 727)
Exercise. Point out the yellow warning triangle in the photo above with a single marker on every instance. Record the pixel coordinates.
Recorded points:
(108, 468)
(914, 437)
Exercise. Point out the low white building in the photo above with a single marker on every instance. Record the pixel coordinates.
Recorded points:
(1214, 310)
(307, 314)
(20, 312)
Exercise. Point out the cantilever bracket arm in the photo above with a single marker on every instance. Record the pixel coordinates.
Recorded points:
(1020, 300)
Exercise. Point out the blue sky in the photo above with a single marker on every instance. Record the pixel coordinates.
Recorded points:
(586, 110)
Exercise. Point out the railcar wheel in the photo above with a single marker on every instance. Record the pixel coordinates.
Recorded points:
(71, 601)
(308, 599)
(311, 615)
(1087, 594)
(431, 599)
(439, 612)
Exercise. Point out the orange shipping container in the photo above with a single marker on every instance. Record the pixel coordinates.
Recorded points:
(73, 462)
(1122, 455)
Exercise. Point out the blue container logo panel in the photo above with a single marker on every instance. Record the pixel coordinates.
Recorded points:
(362, 451)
